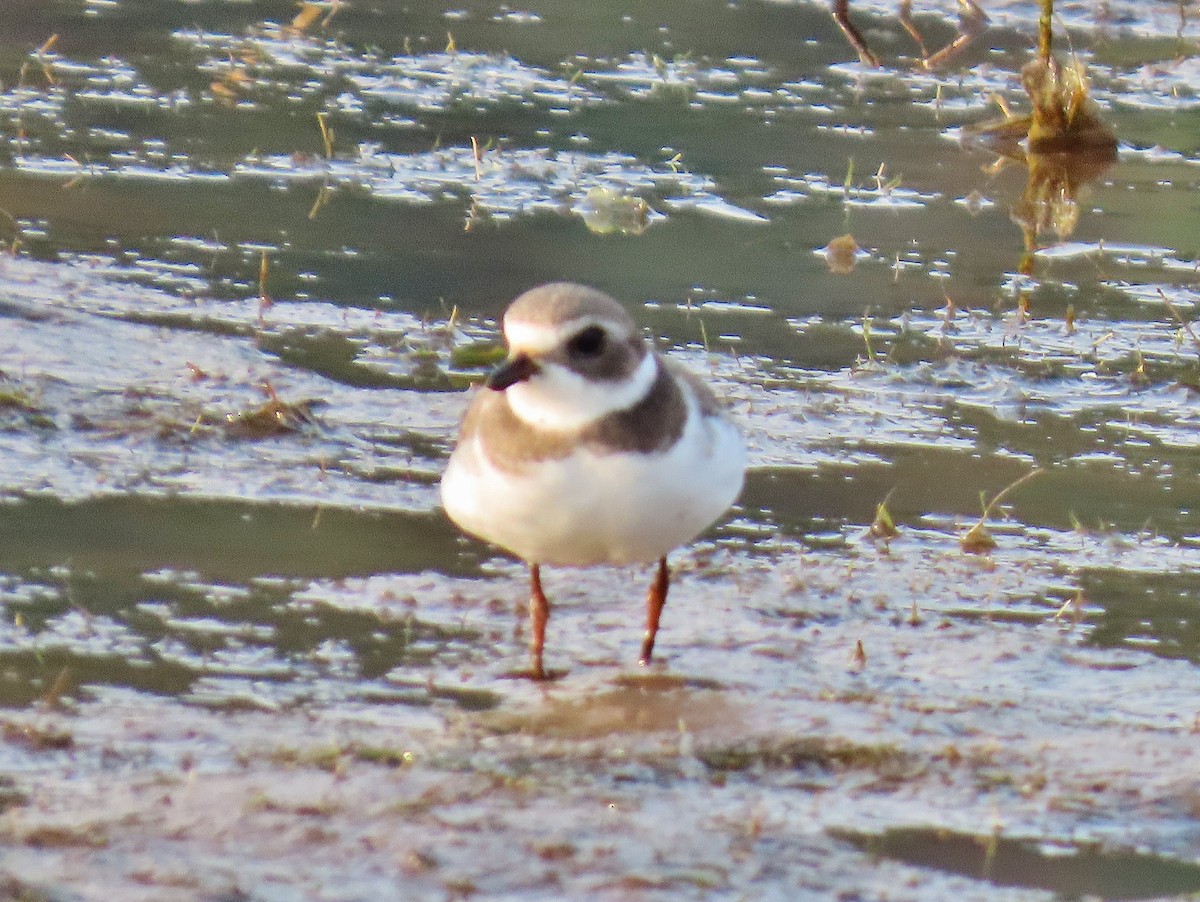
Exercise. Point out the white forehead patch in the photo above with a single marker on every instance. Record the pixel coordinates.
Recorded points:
(542, 338)
(532, 338)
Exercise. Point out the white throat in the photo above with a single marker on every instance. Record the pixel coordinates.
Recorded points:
(560, 400)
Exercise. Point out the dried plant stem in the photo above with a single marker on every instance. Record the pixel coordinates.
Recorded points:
(1045, 31)
(1006, 491)
(1187, 327)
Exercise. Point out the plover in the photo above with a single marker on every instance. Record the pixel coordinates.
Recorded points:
(588, 448)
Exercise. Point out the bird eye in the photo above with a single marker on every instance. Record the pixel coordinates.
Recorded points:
(588, 343)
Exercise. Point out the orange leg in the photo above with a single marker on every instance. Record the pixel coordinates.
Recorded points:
(539, 613)
(656, 599)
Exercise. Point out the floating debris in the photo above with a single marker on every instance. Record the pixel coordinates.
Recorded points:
(841, 254)
(16, 398)
(40, 739)
(606, 210)
(477, 354)
(275, 417)
(978, 539)
(1050, 201)
(1064, 118)
(883, 526)
(1063, 142)
(858, 662)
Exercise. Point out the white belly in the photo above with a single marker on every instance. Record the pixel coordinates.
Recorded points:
(590, 508)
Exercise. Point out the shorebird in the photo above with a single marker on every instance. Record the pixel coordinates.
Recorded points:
(587, 447)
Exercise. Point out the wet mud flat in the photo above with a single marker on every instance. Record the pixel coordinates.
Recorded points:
(832, 715)
(977, 758)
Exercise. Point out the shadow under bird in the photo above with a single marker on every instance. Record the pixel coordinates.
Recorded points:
(588, 447)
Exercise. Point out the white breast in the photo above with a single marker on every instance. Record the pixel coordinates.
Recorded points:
(593, 508)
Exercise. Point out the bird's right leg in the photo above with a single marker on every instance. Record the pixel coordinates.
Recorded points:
(539, 613)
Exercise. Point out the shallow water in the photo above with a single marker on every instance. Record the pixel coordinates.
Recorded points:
(252, 267)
